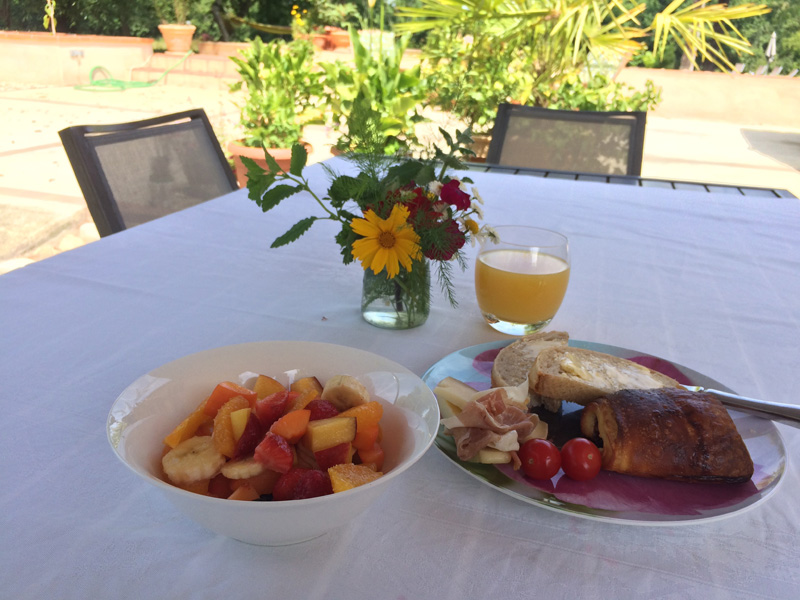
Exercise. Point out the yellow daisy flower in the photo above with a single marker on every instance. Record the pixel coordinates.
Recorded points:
(471, 226)
(386, 243)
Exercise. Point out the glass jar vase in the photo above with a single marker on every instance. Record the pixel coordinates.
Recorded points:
(402, 302)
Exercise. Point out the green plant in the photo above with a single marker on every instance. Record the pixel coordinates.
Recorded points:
(281, 89)
(331, 13)
(471, 77)
(374, 99)
(566, 32)
(173, 11)
(599, 93)
(49, 21)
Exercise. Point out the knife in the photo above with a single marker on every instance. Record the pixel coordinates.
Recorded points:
(788, 414)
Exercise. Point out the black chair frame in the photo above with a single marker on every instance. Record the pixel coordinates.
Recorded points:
(91, 179)
(505, 112)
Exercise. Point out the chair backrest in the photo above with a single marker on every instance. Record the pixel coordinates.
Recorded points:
(608, 143)
(131, 173)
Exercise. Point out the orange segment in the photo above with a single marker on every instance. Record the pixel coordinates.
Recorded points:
(222, 437)
(347, 476)
(366, 414)
(188, 426)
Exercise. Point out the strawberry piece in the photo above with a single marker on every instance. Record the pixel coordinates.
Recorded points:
(321, 409)
(312, 484)
(270, 408)
(284, 487)
(301, 483)
(251, 437)
(275, 453)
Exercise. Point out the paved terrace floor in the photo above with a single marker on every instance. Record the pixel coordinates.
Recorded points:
(42, 210)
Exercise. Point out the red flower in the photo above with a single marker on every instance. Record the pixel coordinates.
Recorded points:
(452, 194)
(452, 241)
(419, 204)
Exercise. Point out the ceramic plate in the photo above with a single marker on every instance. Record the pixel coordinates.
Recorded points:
(611, 496)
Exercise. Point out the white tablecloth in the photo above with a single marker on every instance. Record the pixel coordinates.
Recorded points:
(710, 281)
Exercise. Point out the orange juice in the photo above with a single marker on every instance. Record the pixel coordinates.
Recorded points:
(520, 286)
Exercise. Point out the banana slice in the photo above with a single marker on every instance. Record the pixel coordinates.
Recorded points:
(345, 391)
(192, 460)
(242, 469)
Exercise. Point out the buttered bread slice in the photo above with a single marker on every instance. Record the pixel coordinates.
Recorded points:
(580, 375)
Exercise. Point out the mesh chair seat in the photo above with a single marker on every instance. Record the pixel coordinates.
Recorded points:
(131, 173)
(608, 143)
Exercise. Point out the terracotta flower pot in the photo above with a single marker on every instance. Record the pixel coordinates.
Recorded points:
(480, 146)
(321, 41)
(283, 156)
(178, 38)
(339, 38)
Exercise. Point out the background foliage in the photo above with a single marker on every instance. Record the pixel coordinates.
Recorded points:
(784, 20)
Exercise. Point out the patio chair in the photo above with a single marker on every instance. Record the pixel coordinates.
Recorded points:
(131, 173)
(607, 143)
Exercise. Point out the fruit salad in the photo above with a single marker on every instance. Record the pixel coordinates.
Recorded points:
(276, 442)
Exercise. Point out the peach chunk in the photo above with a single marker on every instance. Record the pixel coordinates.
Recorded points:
(266, 386)
(325, 433)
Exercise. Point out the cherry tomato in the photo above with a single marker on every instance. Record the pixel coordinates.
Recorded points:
(580, 459)
(540, 459)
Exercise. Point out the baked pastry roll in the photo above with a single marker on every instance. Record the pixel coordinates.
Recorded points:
(668, 433)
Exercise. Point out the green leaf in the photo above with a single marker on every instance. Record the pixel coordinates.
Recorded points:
(342, 189)
(273, 196)
(405, 172)
(299, 160)
(272, 164)
(294, 233)
(345, 239)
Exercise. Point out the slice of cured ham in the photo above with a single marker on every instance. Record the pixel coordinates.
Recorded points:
(488, 421)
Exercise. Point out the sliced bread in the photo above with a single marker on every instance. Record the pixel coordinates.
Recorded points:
(513, 363)
(580, 375)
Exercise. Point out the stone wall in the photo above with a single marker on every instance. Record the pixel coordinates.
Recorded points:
(68, 59)
(765, 101)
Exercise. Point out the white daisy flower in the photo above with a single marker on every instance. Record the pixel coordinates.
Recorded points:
(435, 187)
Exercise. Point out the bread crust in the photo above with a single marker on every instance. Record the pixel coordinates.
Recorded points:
(580, 375)
(668, 433)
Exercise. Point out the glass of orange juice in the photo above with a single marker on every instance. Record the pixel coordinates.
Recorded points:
(521, 276)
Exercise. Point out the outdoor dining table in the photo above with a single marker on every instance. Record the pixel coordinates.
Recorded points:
(706, 280)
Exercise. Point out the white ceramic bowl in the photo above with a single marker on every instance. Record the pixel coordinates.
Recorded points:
(154, 404)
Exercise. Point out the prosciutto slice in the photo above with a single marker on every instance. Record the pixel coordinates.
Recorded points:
(484, 422)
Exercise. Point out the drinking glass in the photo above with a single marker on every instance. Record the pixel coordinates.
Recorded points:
(521, 278)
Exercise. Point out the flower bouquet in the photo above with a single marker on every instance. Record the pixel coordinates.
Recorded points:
(397, 215)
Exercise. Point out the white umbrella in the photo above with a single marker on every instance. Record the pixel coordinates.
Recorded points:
(772, 48)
